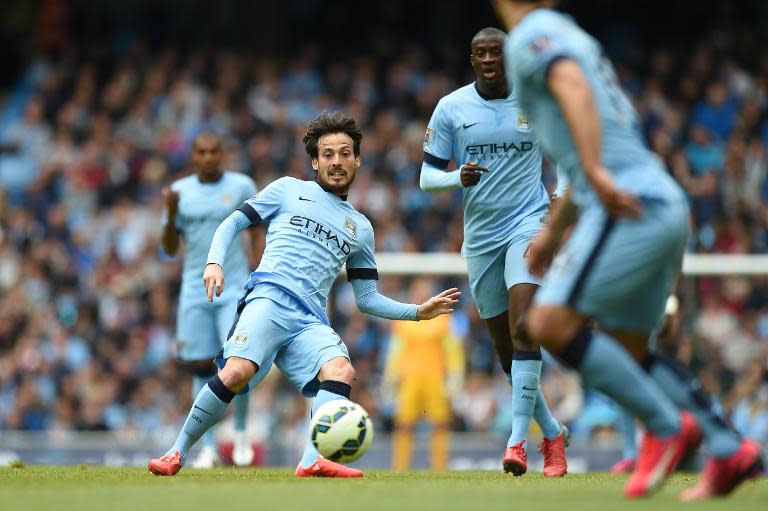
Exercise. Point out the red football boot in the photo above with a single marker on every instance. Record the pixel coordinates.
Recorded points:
(553, 451)
(721, 476)
(658, 457)
(168, 465)
(326, 468)
(516, 459)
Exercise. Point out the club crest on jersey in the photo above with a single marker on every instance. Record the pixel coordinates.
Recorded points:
(241, 339)
(428, 136)
(226, 199)
(350, 226)
(522, 123)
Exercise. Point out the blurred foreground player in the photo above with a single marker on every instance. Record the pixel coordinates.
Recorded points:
(195, 206)
(313, 232)
(481, 127)
(620, 262)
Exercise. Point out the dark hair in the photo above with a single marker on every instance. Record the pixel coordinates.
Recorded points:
(206, 134)
(489, 32)
(326, 124)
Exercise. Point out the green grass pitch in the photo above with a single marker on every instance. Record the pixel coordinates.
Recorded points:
(33, 488)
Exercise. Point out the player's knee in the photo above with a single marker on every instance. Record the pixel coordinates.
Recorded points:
(534, 325)
(200, 368)
(338, 369)
(551, 327)
(237, 372)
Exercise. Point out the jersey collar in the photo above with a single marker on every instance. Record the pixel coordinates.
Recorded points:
(488, 98)
(221, 176)
(341, 197)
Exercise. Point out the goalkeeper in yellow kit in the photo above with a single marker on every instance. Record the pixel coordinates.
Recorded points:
(425, 364)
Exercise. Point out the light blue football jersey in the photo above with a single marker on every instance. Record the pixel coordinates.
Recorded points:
(540, 39)
(495, 134)
(312, 234)
(202, 207)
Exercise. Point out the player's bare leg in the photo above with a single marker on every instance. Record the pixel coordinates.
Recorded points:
(606, 365)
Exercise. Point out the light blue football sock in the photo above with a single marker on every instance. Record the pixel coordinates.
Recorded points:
(625, 424)
(240, 403)
(550, 427)
(310, 453)
(206, 411)
(525, 389)
(687, 393)
(209, 438)
(605, 365)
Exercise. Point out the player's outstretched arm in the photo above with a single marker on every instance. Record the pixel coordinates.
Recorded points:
(570, 88)
(228, 230)
(438, 305)
(370, 301)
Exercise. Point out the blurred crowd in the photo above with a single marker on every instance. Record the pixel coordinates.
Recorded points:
(87, 299)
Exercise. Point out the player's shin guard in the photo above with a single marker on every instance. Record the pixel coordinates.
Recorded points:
(329, 390)
(605, 365)
(526, 370)
(198, 382)
(686, 392)
(240, 409)
(208, 409)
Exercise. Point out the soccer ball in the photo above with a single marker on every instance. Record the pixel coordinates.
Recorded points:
(341, 430)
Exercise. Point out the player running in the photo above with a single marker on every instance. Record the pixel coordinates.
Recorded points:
(313, 232)
(482, 128)
(195, 206)
(624, 253)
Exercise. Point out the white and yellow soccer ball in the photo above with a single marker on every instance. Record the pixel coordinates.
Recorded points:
(341, 430)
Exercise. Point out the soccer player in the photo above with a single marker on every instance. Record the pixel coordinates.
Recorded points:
(622, 257)
(313, 232)
(425, 364)
(482, 128)
(195, 206)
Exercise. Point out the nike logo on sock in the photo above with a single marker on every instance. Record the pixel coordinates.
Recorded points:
(206, 411)
(469, 125)
(302, 198)
(528, 388)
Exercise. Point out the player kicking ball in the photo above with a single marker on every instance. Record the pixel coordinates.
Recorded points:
(313, 232)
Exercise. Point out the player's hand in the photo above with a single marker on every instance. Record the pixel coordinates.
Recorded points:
(213, 278)
(618, 202)
(541, 252)
(470, 173)
(171, 199)
(439, 304)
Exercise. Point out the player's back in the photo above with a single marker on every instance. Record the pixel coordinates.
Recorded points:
(493, 133)
(202, 207)
(545, 36)
(311, 235)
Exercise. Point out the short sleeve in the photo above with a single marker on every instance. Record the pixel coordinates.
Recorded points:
(362, 264)
(438, 139)
(266, 203)
(528, 57)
